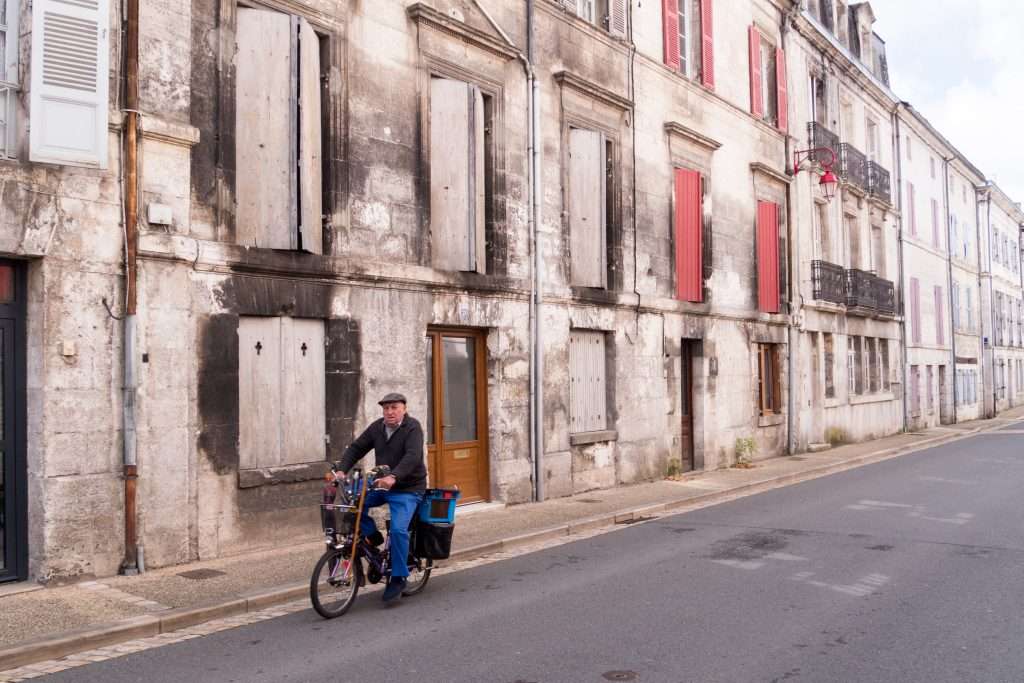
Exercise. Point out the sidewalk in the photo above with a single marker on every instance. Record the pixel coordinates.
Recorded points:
(38, 624)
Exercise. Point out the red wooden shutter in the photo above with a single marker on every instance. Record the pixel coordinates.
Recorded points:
(707, 44)
(915, 310)
(940, 336)
(768, 257)
(756, 105)
(689, 213)
(670, 29)
(782, 88)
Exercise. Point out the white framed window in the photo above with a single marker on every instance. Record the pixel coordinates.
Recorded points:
(9, 18)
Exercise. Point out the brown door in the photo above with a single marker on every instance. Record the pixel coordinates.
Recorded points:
(686, 404)
(457, 412)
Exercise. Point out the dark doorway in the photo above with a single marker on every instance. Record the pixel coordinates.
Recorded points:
(13, 485)
(686, 356)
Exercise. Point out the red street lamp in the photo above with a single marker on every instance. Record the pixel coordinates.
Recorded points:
(828, 181)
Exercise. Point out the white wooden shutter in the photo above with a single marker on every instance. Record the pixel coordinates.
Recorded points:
(457, 199)
(69, 82)
(617, 18)
(310, 155)
(587, 207)
(264, 129)
(587, 398)
(303, 392)
(259, 392)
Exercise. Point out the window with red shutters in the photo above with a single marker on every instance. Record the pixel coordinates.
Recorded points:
(689, 216)
(756, 99)
(707, 44)
(768, 257)
(670, 32)
(782, 99)
(915, 310)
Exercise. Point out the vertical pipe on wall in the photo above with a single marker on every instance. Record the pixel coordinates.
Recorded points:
(131, 182)
(949, 280)
(904, 371)
(793, 278)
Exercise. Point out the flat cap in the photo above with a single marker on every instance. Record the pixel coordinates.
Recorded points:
(392, 398)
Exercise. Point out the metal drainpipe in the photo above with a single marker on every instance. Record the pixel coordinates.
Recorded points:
(535, 194)
(903, 313)
(792, 268)
(949, 268)
(130, 565)
(991, 298)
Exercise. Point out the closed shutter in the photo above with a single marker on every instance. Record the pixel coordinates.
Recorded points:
(910, 208)
(689, 232)
(936, 240)
(617, 18)
(767, 257)
(782, 88)
(264, 151)
(310, 154)
(259, 392)
(457, 176)
(915, 310)
(587, 398)
(587, 208)
(707, 43)
(670, 32)
(955, 294)
(940, 314)
(69, 82)
(303, 396)
(756, 99)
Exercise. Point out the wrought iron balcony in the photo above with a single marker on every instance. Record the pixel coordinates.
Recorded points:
(860, 290)
(853, 166)
(829, 282)
(878, 182)
(885, 296)
(820, 136)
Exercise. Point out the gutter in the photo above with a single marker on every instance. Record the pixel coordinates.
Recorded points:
(792, 277)
(905, 372)
(949, 273)
(536, 195)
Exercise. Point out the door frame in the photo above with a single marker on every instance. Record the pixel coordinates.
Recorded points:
(479, 335)
(16, 467)
(686, 387)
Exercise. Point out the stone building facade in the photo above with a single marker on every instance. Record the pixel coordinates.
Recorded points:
(582, 251)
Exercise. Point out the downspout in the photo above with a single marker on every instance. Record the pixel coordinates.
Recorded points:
(949, 268)
(905, 371)
(535, 197)
(991, 299)
(792, 269)
(130, 565)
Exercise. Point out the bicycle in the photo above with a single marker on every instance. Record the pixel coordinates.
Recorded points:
(339, 573)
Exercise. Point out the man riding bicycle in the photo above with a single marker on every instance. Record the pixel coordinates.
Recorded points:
(396, 440)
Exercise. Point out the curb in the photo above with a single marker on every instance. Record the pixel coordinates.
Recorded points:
(71, 642)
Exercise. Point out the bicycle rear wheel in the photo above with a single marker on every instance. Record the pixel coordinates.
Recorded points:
(334, 584)
(419, 574)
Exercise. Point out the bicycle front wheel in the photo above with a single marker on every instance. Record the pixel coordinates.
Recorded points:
(334, 584)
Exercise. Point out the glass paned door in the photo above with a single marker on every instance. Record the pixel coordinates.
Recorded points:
(13, 509)
(457, 412)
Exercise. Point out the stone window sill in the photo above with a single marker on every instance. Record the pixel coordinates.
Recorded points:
(872, 398)
(287, 474)
(770, 420)
(593, 437)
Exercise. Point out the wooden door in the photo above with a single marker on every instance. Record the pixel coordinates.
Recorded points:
(686, 405)
(456, 426)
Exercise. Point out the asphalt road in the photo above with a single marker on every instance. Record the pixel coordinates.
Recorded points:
(907, 570)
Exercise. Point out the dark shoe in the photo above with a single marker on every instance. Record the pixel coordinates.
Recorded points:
(375, 539)
(396, 585)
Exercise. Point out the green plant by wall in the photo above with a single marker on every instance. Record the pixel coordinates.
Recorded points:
(836, 436)
(745, 448)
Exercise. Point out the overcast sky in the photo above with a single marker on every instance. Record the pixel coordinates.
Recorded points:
(961, 64)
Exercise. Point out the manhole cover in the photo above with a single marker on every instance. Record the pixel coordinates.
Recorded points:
(619, 675)
(200, 574)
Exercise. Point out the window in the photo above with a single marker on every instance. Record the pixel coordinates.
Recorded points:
(874, 148)
(458, 175)
(281, 391)
(768, 284)
(936, 235)
(859, 350)
(853, 236)
(689, 247)
(768, 92)
(911, 208)
(769, 389)
(830, 367)
(823, 231)
(910, 156)
(940, 315)
(954, 239)
(589, 198)
(689, 42)
(874, 380)
(915, 310)
(588, 399)
(878, 250)
(955, 295)
(958, 387)
(929, 388)
(931, 166)
(278, 132)
(8, 75)
(969, 302)
(819, 101)
(609, 15)
(883, 352)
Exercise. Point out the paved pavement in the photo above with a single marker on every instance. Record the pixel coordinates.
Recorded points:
(57, 628)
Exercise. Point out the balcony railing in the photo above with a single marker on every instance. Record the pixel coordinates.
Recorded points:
(820, 136)
(860, 289)
(885, 296)
(829, 282)
(878, 182)
(853, 166)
